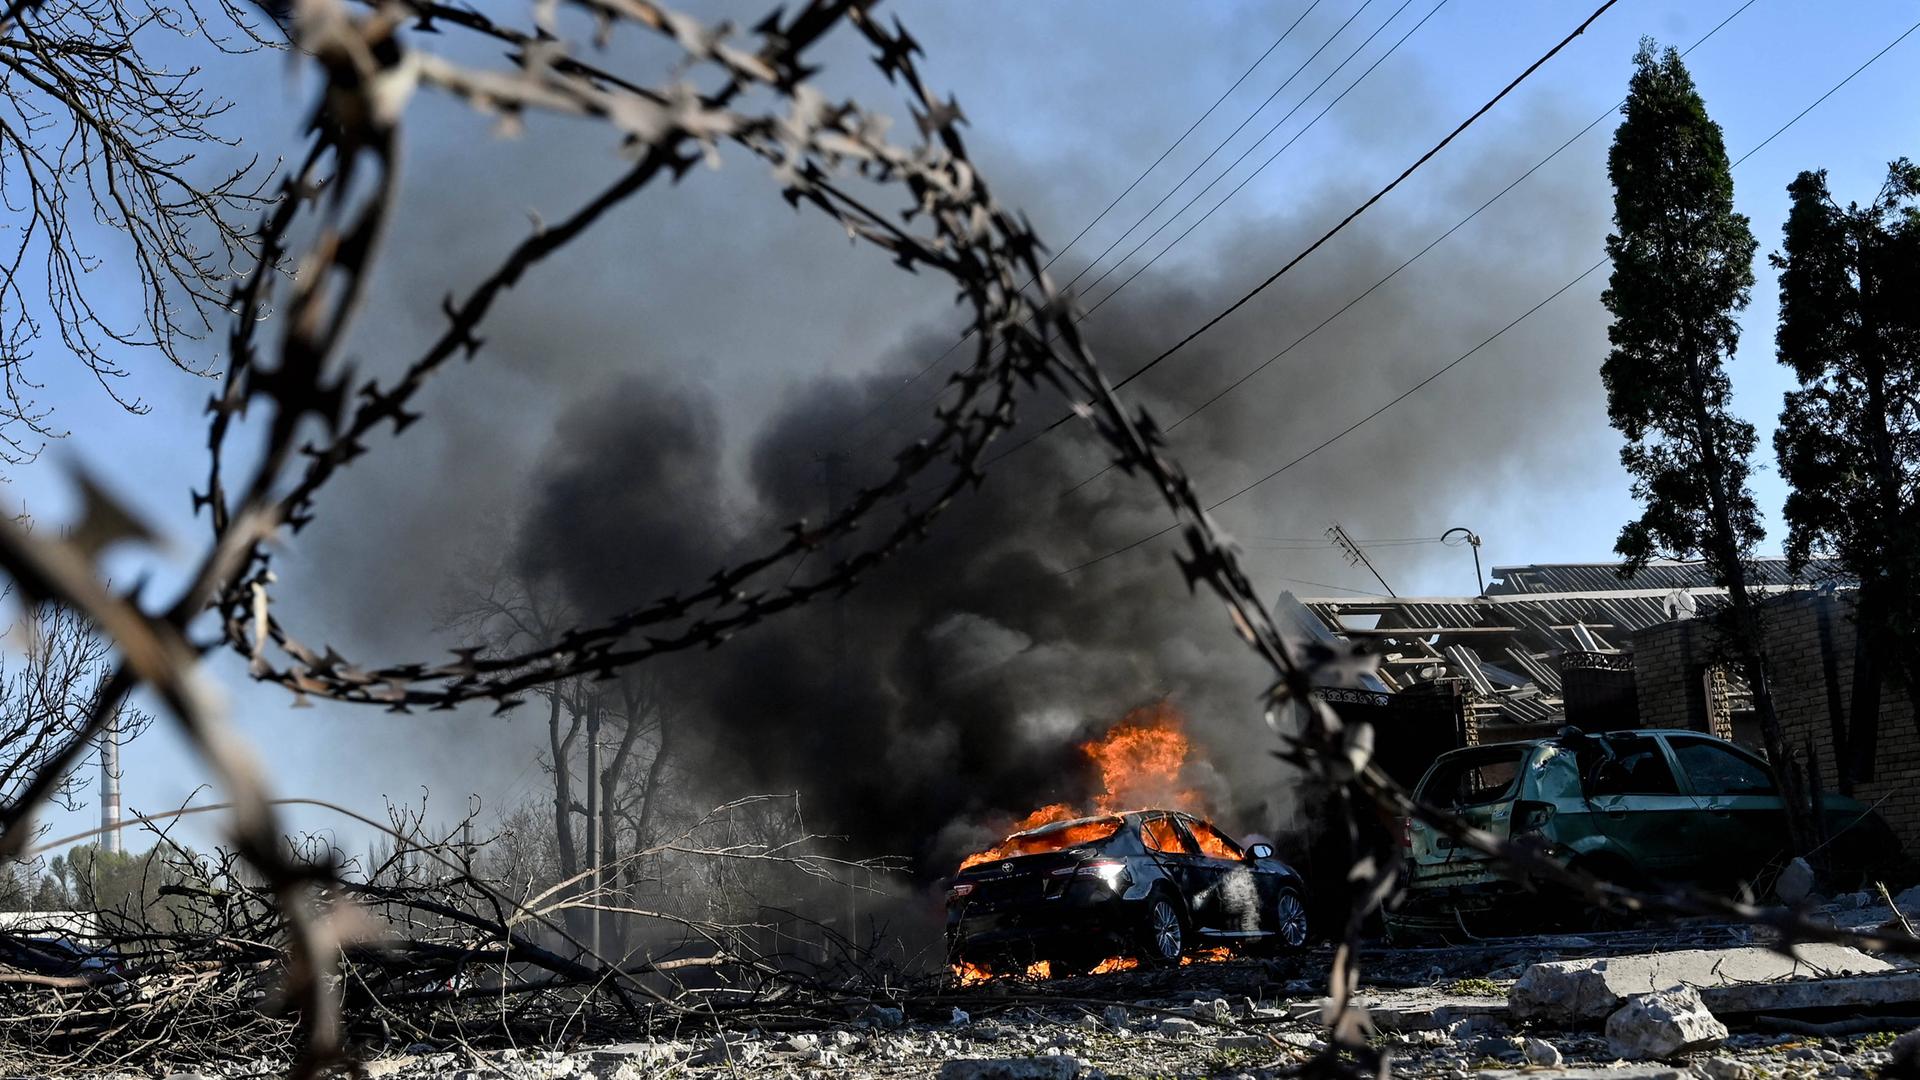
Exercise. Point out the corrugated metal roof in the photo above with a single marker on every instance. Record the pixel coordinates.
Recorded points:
(1605, 577)
(1531, 616)
(1463, 664)
(1544, 675)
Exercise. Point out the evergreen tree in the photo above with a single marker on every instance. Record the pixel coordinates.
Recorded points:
(1682, 267)
(1849, 438)
(50, 894)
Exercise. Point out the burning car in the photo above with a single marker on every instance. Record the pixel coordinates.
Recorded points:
(1116, 889)
(1635, 806)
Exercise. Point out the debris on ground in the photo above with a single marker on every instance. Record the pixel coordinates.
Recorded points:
(1624, 1005)
(1662, 1025)
(1588, 989)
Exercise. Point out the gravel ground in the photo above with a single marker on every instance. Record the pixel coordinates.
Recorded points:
(1191, 1036)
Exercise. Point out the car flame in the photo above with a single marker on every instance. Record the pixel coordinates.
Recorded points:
(1142, 761)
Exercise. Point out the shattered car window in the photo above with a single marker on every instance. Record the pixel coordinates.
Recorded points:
(1716, 770)
(1637, 767)
(1161, 834)
(1476, 779)
(1212, 843)
(1052, 838)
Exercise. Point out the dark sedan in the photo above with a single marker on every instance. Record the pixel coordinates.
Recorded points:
(1149, 886)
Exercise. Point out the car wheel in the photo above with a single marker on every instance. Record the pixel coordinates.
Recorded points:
(1164, 936)
(1290, 919)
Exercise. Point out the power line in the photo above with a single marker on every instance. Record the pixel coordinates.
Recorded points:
(1417, 256)
(1328, 235)
(1275, 156)
(1230, 136)
(1324, 585)
(1341, 66)
(1376, 197)
(1450, 365)
(1101, 216)
(1830, 92)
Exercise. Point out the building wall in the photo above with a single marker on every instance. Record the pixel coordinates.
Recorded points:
(1810, 647)
(1668, 663)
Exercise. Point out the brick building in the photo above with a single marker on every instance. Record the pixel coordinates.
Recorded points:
(1859, 742)
(1555, 644)
(1545, 645)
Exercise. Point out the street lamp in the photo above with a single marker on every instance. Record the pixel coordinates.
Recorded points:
(1474, 541)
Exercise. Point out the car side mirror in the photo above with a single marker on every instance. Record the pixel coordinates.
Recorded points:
(1260, 851)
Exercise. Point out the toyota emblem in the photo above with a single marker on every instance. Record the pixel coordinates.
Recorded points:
(1005, 867)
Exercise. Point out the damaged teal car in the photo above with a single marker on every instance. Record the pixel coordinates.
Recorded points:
(1641, 807)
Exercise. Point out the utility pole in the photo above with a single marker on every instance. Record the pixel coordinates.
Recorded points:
(1356, 556)
(832, 464)
(110, 787)
(593, 822)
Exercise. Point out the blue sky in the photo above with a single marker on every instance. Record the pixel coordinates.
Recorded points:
(1066, 103)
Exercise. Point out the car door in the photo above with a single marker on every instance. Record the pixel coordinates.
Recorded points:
(1641, 809)
(1179, 857)
(1236, 894)
(1743, 822)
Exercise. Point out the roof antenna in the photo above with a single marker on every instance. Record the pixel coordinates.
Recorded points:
(1474, 542)
(1355, 556)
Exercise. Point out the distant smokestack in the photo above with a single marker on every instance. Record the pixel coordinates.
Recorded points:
(110, 788)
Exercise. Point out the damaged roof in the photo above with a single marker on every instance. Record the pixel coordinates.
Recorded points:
(1508, 648)
(1662, 574)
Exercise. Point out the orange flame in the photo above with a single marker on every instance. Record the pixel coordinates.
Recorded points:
(970, 974)
(1018, 844)
(1140, 760)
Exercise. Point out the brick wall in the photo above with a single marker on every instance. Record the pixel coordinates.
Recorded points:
(1810, 648)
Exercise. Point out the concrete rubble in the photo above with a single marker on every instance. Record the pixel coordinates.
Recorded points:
(1538, 1008)
(1662, 1025)
(1582, 991)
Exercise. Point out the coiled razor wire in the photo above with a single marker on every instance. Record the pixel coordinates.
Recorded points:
(343, 195)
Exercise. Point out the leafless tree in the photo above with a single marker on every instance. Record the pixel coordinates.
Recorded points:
(54, 666)
(493, 603)
(104, 121)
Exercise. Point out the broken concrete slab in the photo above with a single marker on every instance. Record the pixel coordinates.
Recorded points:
(1851, 991)
(1584, 991)
(620, 1053)
(1427, 1010)
(1663, 1024)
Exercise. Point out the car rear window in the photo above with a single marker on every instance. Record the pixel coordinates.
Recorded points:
(1059, 837)
(1475, 778)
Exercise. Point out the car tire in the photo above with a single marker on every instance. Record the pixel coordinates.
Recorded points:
(1163, 931)
(1291, 928)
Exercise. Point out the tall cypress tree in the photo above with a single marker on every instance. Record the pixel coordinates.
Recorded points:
(1849, 438)
(1682, 267)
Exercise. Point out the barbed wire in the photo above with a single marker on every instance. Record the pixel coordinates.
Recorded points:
(341, 201)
